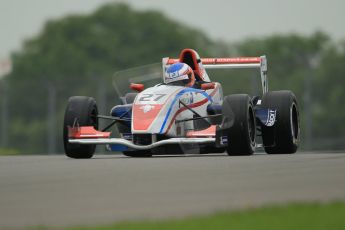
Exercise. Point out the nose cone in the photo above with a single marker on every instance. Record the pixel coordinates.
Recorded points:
(147, 109)
(152, 107)
(144, 116)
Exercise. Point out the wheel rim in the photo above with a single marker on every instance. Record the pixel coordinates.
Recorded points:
(251, 125)
(294, 122)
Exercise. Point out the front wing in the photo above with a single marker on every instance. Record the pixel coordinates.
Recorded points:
(88, 135)
(131, 145)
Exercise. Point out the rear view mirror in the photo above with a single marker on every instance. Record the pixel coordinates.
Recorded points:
(137, 87)
(206, 86)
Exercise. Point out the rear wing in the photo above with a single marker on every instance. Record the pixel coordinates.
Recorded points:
(232, 63)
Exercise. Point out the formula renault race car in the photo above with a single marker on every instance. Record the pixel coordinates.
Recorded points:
(187, 113)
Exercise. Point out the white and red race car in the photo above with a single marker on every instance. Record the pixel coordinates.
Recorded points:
(173, 119)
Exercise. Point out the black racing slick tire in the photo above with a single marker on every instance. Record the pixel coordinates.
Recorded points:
(241, 127)
(283, 136)
(80, 111)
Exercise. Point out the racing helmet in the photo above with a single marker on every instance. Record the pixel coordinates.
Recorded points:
(179, 74)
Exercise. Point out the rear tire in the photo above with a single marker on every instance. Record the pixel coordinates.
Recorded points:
(80, 111)
(240, 126)
(283, 136)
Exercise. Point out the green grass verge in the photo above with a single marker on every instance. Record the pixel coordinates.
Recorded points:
(8, 152)
(291, 216)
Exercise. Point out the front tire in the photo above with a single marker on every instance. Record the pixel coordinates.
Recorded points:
(80, 111)
(239, 123)
(283, 136)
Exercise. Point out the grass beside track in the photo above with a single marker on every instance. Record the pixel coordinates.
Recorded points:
(292, 216)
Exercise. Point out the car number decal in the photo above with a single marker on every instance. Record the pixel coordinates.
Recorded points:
(151, 97)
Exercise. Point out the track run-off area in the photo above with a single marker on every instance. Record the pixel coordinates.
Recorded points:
(57, 191)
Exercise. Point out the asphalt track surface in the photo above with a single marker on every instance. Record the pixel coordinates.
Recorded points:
(56, 191)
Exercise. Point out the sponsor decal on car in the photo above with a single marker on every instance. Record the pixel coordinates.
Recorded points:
(223, 140)
(271, 117)
(186, 99)
(146, 108)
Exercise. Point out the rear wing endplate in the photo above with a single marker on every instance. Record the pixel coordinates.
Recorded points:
(232, 63)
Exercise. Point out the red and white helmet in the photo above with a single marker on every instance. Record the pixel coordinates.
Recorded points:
(179, 74)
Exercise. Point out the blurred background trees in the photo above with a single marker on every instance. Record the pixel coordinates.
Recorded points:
(78, 55)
